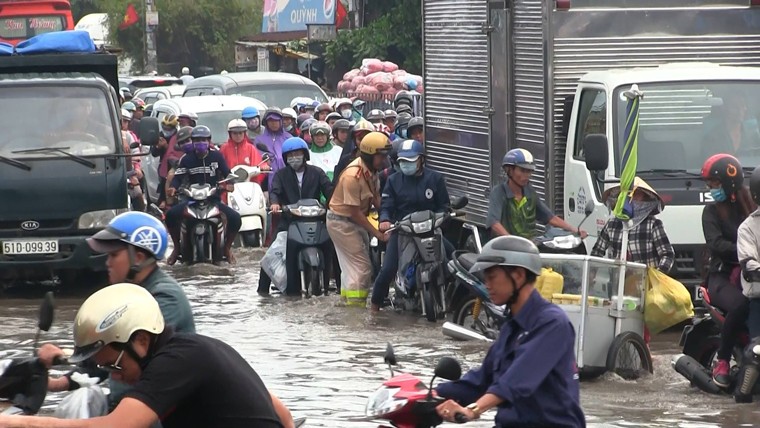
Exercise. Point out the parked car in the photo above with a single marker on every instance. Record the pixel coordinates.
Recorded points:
(155, 93)
(213, 111)
(138, 82)
(272, 88)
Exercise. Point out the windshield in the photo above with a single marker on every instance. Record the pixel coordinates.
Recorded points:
(24, 27)
(76, 117)
(279, 95)
(681, 124)
(217, 121)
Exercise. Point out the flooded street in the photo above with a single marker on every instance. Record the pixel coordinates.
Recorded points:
(324, 360)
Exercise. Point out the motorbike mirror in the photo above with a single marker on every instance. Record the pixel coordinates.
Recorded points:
(232, 178)
(459, 202)
(47, 309)
(390, 356)
(241, 174)
(448, 368)
(589, 209)
(263, 147)
(149, 131)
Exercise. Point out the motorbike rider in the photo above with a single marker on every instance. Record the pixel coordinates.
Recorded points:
(390, 121)
(297, 181)
(340, 132)
(416, 129)
(201, 166)
(186, 77)
(166, 150)
(375, 116)
(188, 118)
(310, 106)
(400, 127)
(416, 188)
(322, 111)
(720, 223)
(332, 118)
(351, 149)
(356, 191)
(180, 380)
(529, 374)
(137, 115)
(252, 120)
(345, 108)
(358, 108)
(305, 128)
(135, 242)
(134, 187)
(289, 119)
(237, 151)
(323, 153)
(514, 207)
(184, 145)
(273, 137)
(748, 251)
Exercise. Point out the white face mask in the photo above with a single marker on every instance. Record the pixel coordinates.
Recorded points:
(346, 113)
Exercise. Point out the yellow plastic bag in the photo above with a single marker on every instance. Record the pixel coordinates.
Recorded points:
(667, 303)
(549, 283)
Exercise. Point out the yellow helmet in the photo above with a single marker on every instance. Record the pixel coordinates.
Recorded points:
(112, 315)
(375, 143)
(363, 125)
(170, 121)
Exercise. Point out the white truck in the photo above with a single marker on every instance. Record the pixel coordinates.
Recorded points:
(544, 74)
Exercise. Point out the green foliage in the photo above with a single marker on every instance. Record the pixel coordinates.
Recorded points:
(80, 8)
(393, 32)
(191, 33)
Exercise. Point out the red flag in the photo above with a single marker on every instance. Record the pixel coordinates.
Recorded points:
(340, 14)
(130, 17)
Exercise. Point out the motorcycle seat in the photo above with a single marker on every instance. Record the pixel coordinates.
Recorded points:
(467, 260)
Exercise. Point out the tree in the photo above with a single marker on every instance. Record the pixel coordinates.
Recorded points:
(193, 33)
(393, 33)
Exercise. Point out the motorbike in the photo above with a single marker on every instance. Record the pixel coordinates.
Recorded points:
(421, 281)
(248, 200)
(405, 402)
(307, 230)
(202, 236)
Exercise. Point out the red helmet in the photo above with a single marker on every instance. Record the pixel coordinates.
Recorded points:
(725, 168)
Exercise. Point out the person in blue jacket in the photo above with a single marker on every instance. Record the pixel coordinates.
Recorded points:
(414, 188)
(201, 166)
(529, 374)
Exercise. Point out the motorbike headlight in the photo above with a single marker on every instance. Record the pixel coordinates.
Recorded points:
(382, 402)
(98, 219)
(423, 226)
(233, 203)
(308, 211)
(198, 194)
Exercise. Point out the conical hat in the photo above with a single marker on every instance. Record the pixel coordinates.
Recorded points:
(638, 184)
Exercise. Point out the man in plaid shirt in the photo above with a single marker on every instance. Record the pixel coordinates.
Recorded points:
(647, 241)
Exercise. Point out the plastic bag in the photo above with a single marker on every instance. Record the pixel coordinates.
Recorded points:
(273, 262)
(667, 303)
(389, 67)
(371, 65)
(83, 403)
(381, 81)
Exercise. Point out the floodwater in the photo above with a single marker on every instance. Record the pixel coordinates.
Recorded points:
(324, 360)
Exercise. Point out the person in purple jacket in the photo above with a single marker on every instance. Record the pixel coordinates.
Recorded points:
(273, 136)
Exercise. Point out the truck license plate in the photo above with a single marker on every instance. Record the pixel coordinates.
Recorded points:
(30, 247)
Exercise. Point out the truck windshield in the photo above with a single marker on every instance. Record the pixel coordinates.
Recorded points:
(683, 123)
(76, 117)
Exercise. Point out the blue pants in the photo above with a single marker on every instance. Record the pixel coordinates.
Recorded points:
(390, 267)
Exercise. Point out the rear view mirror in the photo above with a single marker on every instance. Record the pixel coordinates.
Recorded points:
(589, 209)
(241, 174)
(459, 202)
(149, 131)
(47, 309)
(390, 356)
(448, 368)
(596, 152)
(263, 147)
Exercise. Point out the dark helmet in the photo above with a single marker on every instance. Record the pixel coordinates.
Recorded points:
(201, 132)
(306, 125)
(391, 114)
(324, 107)
(415, 122)
(375, 115)
(403, 108)
(402, 121)
(184, 133)
(303, 117)
(727, 169)
(403, 97)
(273, 113)
(754, 185)
(513, 251)
(333, 116)
(341, 124)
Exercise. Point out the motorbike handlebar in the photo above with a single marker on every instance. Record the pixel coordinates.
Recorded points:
(60, 361)
(460, 418)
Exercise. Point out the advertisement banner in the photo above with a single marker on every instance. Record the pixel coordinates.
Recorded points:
(293, 15)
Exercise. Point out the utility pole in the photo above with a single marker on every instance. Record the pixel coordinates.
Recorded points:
(150, 28)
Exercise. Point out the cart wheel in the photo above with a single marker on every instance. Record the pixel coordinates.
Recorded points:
(629, 356)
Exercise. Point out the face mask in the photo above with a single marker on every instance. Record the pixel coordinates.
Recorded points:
(168, 133)
(346, 113)
(718, 194)
(407, 168)
(188, 147)
(289, 128)
(295, 162)
(201, 147)
(402, 133)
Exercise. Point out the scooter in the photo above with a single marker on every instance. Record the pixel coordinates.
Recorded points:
(248, 200)
(202, 226)
(421, 281)
(308, 232)
(405, 402)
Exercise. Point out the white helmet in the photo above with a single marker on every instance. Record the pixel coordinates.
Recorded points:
(185, 70)
(289, 112)
(112, 315)
(236, 125)
(126, 114)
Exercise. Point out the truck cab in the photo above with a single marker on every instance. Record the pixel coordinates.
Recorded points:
(63, 173)
(20, 20)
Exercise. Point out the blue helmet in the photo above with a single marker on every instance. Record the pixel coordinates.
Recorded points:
(519, 157)
(201, 132)
(292, 144)
(249, 113)
(134, 228)
(410, 150)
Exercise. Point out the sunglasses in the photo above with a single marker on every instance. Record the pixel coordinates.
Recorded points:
(115, 366)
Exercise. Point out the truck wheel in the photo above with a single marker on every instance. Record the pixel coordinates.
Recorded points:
(629, 356)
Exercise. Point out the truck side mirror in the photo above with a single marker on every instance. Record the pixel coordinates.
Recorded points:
(567, 112)
(596, 152)
(149, 131)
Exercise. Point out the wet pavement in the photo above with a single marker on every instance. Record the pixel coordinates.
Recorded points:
(324, 360)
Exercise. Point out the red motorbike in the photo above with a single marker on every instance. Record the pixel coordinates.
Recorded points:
(405, 401)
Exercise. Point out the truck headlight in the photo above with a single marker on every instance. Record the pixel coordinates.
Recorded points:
(98, 219)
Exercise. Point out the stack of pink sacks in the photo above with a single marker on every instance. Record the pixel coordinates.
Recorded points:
(377, 77)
